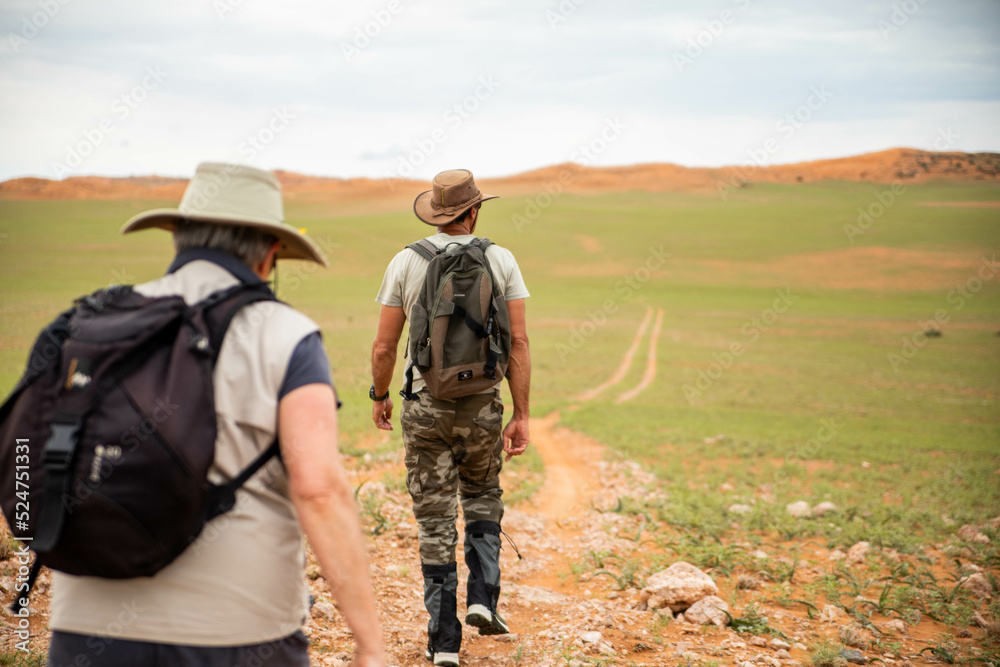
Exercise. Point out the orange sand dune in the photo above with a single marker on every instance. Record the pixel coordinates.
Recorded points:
(905, 165)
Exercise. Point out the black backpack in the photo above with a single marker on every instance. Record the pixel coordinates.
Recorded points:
(459, 326)
(106, 441)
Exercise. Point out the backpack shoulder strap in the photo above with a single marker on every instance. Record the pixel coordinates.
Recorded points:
(222, 497)
(424, 248)
(481, 243)
(221, 307)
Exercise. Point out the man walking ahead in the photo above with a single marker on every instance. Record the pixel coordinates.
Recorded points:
(237, 595)
(473, 291)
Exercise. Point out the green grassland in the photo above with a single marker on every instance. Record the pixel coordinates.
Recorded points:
(927, 425)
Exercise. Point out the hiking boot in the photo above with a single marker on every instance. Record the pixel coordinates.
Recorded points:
(445, 659)
(482, 555)
(488, 622)
(444, 632)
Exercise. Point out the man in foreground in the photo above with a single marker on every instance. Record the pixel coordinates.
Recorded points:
(454, 445)
(237, 596)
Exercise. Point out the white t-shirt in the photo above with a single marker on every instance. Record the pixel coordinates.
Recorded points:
(404, 277)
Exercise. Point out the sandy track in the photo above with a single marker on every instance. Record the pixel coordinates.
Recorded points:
(650, 374)
(619, 374)
(569, 482)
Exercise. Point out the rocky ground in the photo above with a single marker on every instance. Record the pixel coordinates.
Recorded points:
(598, 585)
(580, 594)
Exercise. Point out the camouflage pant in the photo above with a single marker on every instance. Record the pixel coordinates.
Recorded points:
(452, 447)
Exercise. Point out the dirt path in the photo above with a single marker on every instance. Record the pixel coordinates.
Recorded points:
(569, 470)
(626, 363)
(650, 374)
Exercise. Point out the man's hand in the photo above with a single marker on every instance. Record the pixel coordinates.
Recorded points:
(382, 414)
(515, 437)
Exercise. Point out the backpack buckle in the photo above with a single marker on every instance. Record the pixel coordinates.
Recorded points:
(58, 451)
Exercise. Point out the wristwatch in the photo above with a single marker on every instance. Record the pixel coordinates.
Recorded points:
(371, 395)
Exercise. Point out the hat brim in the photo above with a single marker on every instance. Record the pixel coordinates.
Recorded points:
(422, 209)
(294, 245)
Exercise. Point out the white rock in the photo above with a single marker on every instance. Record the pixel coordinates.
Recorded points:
(726, 487)
(799, 509)
(836, 554)
(594, 637)
(739, 508)
(678, 587)
(323, 610)
(896, 626)
(757, 641)
(856, 554)
(972, 533)
(782, 654)
(825, 507)
(778, 644)
(539, 595)
(708, 611)
(978, 585)
(832, 614)
(759, 554)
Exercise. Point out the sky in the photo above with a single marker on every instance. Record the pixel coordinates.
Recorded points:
(407, 88)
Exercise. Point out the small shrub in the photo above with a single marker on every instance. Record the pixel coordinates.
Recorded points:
(853, 635)
(827, 654)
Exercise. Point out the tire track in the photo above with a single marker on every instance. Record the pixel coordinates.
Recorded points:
(650, 374)
(619, 374)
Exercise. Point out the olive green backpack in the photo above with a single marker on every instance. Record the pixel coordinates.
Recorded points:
(459, 327)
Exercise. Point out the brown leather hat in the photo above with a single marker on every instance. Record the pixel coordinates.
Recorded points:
(453, 192)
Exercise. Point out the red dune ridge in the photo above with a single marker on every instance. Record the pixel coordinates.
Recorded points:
(902, 165)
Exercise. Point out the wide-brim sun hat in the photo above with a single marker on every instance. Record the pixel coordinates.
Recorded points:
(452, 193)
(237, 195)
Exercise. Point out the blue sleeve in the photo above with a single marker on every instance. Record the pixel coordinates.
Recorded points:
(308, 365)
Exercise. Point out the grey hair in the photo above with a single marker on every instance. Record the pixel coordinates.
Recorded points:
(246, 243)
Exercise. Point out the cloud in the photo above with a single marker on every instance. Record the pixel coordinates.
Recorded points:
(556, 82)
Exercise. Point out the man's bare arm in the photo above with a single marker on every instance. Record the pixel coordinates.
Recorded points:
(321, 492)
(515, 435)
(390, 327)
